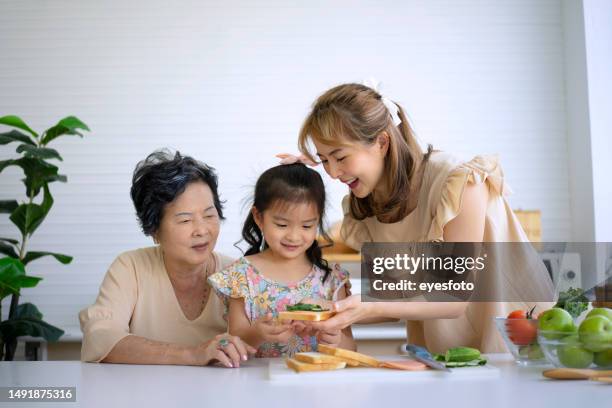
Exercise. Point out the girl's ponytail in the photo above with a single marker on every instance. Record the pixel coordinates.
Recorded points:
(315, 254)
(252, 235)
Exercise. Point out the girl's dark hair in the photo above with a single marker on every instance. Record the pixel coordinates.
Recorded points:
(290, 183)
(162, 177)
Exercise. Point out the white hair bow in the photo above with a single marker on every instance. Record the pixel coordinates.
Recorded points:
(391, 106)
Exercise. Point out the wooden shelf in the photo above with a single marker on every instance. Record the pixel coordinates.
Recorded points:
(342, 257)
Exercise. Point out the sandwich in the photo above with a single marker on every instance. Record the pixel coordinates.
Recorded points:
(306, 311)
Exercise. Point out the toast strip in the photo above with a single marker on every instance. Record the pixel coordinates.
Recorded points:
(306, 315)
(349, 354)
(300, 367)
(317, 358)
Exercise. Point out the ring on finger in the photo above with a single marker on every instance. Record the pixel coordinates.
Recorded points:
(223, 343)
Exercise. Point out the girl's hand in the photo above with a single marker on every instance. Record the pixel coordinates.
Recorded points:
(301, 328)
(330, 338)
(271, 330)
(224, 349)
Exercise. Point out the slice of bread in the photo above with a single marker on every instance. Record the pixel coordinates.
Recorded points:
(363, 359)
(409, 365)
(306, 315)
(300, 367)
(312, 357)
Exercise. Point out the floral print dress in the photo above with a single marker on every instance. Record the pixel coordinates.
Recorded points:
(262, 296)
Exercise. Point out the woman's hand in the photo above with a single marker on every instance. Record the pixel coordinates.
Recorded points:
(288, 158)
(348, 311)
(225, 349)
(271, 330)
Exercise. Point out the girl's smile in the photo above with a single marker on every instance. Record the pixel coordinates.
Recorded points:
(289, 229)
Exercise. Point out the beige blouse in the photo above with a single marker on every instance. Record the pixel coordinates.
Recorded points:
(137, 298)
(440, 198)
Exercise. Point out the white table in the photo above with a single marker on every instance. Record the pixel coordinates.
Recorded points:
(110, 385)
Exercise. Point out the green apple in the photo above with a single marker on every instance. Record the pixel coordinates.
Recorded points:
(531, 352)
(556, 320)
(600, 311)
(596, 333)
(535, 352)
(604, 358)
(573, 355)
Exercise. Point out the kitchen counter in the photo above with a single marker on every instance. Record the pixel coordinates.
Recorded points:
(119, 385)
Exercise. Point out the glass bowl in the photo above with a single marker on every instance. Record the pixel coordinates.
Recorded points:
(570, 350)
(520, 336)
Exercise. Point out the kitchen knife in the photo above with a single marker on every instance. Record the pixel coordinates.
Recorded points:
(421, 354)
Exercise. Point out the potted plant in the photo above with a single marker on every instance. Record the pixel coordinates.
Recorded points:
(34, 159)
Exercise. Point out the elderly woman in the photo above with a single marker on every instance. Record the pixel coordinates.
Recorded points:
(155, 305)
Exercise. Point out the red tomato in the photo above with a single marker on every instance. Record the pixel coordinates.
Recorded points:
(522, 329)
(517, 314)
(521, 332)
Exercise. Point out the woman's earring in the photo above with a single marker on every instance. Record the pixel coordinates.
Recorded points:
(263, 244)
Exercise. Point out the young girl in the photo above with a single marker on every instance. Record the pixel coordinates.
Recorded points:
(283, 266)
(398, 193)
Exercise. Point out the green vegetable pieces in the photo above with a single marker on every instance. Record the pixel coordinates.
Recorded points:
(461, 357)
(305, 307)
(573, 301)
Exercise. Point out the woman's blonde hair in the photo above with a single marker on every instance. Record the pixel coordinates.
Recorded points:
(356, 113)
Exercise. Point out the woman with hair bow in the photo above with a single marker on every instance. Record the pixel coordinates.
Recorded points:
(400, 193)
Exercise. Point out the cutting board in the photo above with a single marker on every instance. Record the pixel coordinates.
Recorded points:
(279, 372)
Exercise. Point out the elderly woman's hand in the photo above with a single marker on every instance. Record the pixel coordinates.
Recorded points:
(225, 349)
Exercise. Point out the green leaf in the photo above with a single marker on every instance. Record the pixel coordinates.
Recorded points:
(39, 152)
(28, 310)
(67, 126)
(31, 256)
(10, 240)
(5, 163)
(8, 206)
(17, 122)
(10, 267)
(28, 326)
(13, 277)
(15, 136)
(27, 217)
(27, 281)
(7, 249)
(37, 171)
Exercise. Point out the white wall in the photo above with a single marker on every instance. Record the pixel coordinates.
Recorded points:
(580, 160)
(230, 82)
(598, 38)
